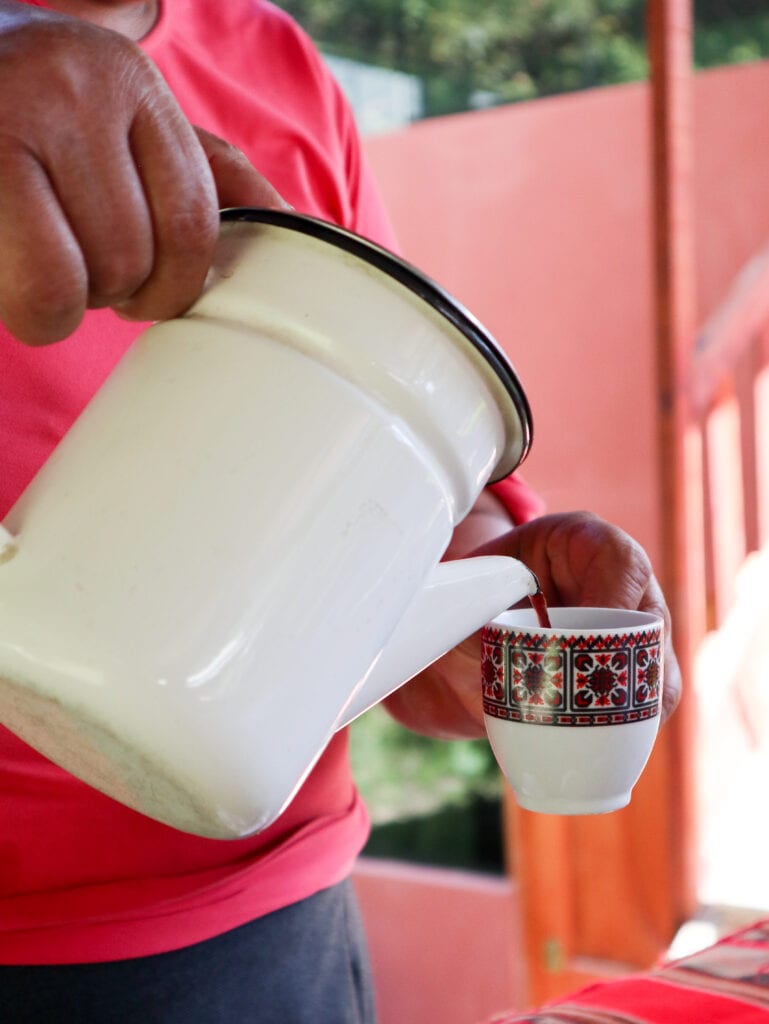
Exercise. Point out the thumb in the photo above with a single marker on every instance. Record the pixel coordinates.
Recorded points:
(237, 181)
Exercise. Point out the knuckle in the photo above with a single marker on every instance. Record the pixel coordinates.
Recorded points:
(191, 231)
(118, 274)
(44, 309)
(184, 249)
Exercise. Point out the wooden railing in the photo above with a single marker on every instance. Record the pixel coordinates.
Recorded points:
(729, 402)
(603, 896)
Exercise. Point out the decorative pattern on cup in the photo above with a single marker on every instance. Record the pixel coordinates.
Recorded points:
(571, 679)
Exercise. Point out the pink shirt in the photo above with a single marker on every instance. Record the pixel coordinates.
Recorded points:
(83, 878)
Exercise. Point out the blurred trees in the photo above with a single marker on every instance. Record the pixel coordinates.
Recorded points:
(430, 801)
(475, 53)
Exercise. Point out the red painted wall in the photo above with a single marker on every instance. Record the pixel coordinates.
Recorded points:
(731, 174)
(443, 943)
(538, 217)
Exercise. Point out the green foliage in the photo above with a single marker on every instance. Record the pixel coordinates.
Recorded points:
(430, 801)
(714, 12)
(403, 775)
(735, 40)
(467, 836)
(473, 53)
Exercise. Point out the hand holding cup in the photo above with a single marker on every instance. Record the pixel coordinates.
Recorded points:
(572, 712)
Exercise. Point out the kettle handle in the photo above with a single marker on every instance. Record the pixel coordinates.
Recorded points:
(459, 597)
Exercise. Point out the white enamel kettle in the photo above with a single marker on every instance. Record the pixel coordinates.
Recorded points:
(236, 549)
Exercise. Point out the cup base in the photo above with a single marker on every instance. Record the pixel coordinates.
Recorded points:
(563, 805)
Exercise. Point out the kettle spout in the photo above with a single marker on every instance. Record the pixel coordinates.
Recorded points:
(458, 598)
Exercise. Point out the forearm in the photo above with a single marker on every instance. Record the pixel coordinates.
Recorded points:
(433, 705)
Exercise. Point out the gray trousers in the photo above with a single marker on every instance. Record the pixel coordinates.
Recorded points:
(304, 964)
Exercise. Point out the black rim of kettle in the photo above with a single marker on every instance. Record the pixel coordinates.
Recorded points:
(415, 281)
(418, 283)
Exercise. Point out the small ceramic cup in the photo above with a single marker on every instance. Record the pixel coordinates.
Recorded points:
(572, 712)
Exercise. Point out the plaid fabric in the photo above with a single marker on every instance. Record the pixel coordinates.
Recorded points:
(727, 983)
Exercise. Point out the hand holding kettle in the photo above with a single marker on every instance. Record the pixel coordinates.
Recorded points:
(128, 165)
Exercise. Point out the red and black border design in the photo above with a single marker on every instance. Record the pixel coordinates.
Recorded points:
(565, 679)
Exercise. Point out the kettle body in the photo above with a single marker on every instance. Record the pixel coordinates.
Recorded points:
(237, 546)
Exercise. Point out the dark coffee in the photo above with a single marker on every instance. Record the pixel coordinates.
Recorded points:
(539, 604)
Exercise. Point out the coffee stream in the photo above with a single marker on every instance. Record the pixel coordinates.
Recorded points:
(539, 604)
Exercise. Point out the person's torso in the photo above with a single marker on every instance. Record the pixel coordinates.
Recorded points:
(81, 877)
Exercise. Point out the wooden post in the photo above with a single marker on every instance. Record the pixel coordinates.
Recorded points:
(682, 572)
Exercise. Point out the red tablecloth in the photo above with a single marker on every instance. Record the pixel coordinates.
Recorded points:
(727, 983)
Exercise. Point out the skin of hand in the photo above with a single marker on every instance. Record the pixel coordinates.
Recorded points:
(108, 196)
(579, 559)
(132, 18)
